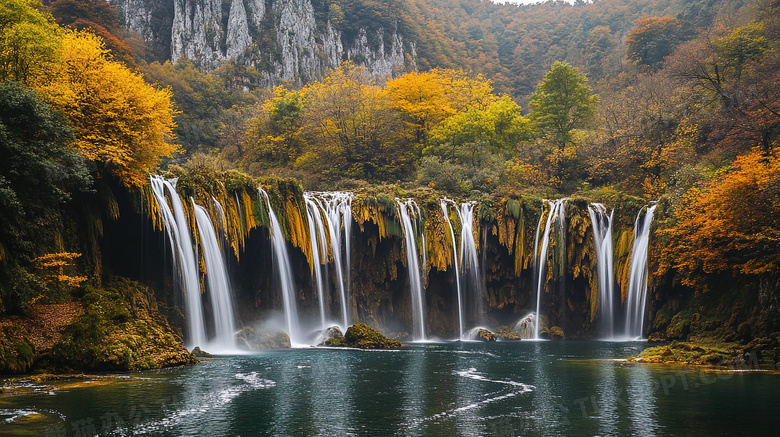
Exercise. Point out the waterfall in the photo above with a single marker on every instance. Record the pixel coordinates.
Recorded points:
(469, 263)
(175, 221)
(319, 252)
(337, 209)
(637, 282)
(217, 280)
(602, 240)
(455, 262)
(556, 211)
(407, 210)
(279, 247)
(526, 326)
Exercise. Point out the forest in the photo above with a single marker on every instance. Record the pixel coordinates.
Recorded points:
(664, 100)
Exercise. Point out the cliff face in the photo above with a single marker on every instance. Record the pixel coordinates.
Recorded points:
(283, 39)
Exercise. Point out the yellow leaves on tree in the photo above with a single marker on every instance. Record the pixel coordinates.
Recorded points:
(52, 267)
(29, 40)
(730, 225)
(122, 124)
(430, 97)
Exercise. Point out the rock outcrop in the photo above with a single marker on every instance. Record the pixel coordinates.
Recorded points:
(283, 39)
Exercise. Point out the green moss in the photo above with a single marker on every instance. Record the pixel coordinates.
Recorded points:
(702, 352)
(362, 336)
(17, 353)
(119, 330)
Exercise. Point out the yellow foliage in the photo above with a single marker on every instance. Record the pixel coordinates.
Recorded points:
(428, 98)
(52, 267)
(122, 124)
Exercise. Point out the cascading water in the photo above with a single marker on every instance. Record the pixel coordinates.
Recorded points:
(181, 245)
(319, 252)
(408, 210)
(602, 239)
(556, 212)
(218, 283)
(637, 282)
(526, 326)
(455, 262)
(279, 248)
(337, 208)
(469, 262)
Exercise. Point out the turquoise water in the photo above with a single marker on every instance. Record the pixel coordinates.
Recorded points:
(449, 389)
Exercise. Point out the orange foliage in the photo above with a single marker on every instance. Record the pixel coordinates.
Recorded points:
(731, 224)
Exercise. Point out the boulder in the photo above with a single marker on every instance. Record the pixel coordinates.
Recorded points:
(332, 337)
(262, 339)
(362, 336)
(485, 335)
(200, 353)
(556, 333)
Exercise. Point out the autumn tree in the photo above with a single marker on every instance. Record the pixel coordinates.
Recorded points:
(122, 125)
(652, 39)
(351, 129)
(274, 137)
(731, 225)
(426, 99)
(98, 16)
(29, 41)
(561, 105)
(464, 136)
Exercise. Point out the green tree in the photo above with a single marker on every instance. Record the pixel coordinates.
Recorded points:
(38, 174)
(467, 136)
(561, 105)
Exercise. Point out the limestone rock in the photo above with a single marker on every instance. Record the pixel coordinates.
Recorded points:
(209, 34)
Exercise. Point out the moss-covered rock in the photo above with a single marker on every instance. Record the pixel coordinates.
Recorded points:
(332, 337)
(121, 329)
(710, 353)
(506, 333)
(556, 333)
(485, 335)
(362, 336)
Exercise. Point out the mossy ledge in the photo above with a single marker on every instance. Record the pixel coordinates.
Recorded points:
(362, 336)
(116, 328)
(760, 354)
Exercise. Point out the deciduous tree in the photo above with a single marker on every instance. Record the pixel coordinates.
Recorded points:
(123, 125)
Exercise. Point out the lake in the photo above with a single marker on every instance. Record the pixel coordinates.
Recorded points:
(440, 389)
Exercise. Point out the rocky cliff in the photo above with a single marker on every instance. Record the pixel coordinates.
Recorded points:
(289, 40)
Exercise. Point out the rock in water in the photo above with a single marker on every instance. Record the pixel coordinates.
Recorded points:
(200, 353)
(485, 335)
(332, 337)
(262, 339)
(362, 336)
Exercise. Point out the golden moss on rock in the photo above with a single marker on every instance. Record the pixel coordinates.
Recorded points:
(121, 329)
(362, 336)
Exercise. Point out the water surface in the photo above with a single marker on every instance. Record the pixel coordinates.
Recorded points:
(446, 389)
